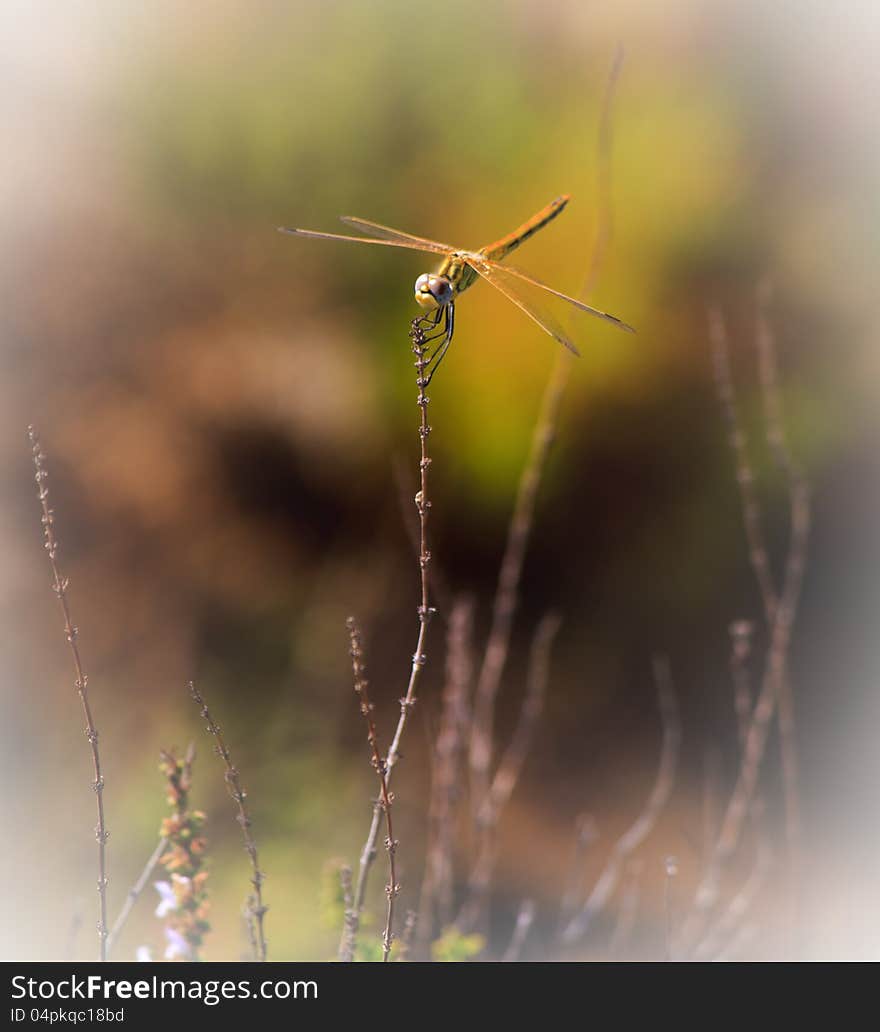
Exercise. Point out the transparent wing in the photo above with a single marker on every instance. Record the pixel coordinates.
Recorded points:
(511, 275)
(376, 229)
(426, 247)
(513, 290)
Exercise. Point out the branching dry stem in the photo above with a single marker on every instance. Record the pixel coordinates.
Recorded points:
(59, 586)
(255, 908)
(424, 612)
(379, 764)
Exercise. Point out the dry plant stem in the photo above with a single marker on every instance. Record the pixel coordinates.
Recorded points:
(669, 905)
(524, 920)
(604, 182)
(799, 516)
(511, 764)
(506, 596)
(711, 769)
(350, 919)
(755, 744)
(586, 833)
(439, 586)
(378, 763)
(424, 610)
(629, 906)
(738, 907)
(423, 505)
(780, 610)
(60, 586)
(740, 632)
(446, 788)
(647, 819)
(134, 893)
(509, 770)
(255, 911)
(745, 478)
(368, 855)
(507, 591)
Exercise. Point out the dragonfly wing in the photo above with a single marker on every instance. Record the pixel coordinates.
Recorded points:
(363, 240)
(513, 291)
(376, 229)
(513, 274)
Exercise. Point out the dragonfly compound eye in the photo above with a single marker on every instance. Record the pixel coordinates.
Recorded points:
(433, 291)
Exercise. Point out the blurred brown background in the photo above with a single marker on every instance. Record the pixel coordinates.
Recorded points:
(224, 410)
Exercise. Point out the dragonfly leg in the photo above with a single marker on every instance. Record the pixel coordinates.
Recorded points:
(432, 337)
(446, 315)
(434, 361)
(430, 321)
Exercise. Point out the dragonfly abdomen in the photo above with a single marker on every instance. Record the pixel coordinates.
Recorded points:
(501, 248)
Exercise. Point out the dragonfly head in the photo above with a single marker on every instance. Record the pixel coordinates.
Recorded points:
(433, 291)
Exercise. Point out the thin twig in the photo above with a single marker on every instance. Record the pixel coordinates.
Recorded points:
(745, 477)
(350, 919)
(405, 484)
(446, 789)
(604, 179)
(506, 597)
(671, 870)
(509, 770)
(739, 906)
(378, 763)
(423, 505)
(255, 909)
(647, 819)
(135, 891)
(424, 611)
(755, 745)
(524, 920)
(586, 833)
(514, 757)
(59, 586)
(741, 632)
(780, 610)
(799, 516)
(711, 764)
(519, 531)
(507, 591)
(629, 905)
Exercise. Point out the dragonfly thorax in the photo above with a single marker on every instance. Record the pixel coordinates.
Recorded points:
(433, 290)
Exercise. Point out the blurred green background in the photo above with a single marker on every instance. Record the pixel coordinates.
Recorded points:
(230, 422)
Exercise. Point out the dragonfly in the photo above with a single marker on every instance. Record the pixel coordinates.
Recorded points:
(460, 268)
